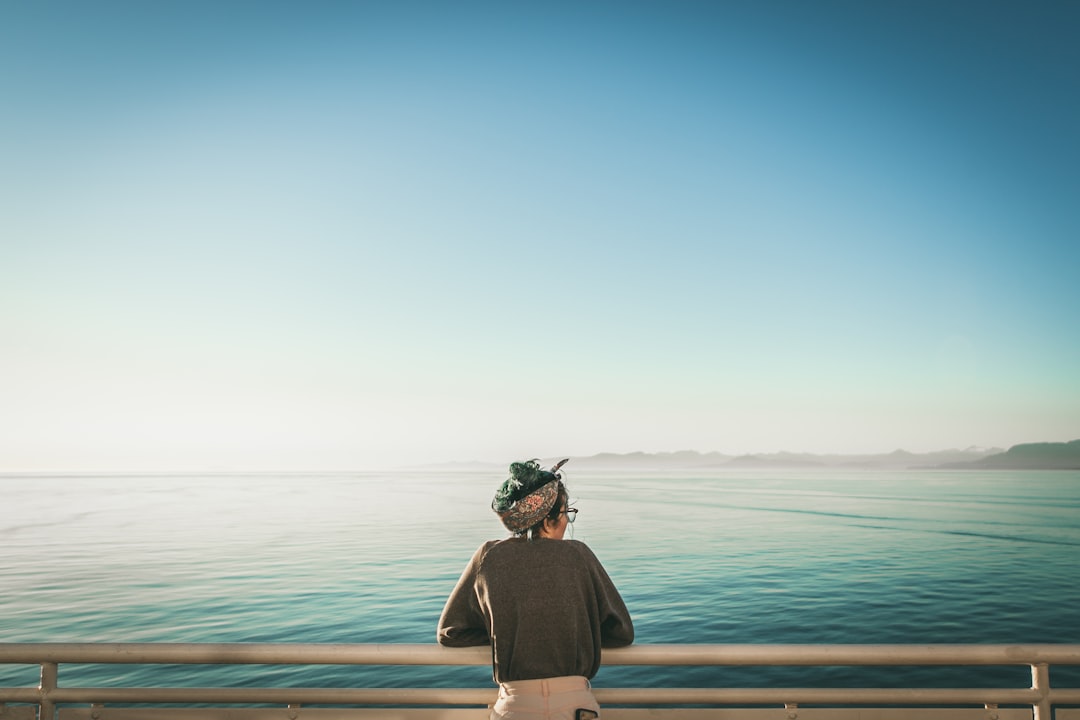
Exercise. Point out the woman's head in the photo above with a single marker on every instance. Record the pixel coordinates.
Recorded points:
(529, 497)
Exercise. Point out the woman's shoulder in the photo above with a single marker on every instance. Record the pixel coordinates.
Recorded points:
(512, 546)
(577, 544)
(483, 550)
(582, 549)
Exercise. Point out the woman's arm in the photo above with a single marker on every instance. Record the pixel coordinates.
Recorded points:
(616, 626)
(462, 623)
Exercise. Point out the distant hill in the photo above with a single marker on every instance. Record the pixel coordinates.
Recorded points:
(692, 460)
(1030, 456)
(897, 460)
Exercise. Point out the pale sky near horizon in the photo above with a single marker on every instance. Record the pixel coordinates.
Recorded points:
(334, 235)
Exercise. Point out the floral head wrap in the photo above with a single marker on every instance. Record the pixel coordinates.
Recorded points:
(527, 496)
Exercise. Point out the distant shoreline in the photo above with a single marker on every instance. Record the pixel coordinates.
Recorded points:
(1028, 456)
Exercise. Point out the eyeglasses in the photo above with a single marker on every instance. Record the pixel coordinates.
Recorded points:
(571, 515)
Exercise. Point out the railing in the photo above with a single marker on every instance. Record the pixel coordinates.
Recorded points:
(1038, 702)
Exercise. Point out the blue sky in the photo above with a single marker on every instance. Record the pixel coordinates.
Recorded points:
(305, 236)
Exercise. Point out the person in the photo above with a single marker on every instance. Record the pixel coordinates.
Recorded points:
(545, 605)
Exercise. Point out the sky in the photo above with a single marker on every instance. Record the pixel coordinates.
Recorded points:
(292, 236)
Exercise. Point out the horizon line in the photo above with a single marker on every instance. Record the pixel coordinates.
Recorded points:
(445, 463)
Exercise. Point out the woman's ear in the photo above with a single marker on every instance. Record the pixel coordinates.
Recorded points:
(550, 527)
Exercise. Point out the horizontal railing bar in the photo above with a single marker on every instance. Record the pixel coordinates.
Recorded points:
(791, 655)
(432, 654)
(283, 696)
(1065, 696)
(484, 696)
(782, 696)
(20, 695)
(243, 654)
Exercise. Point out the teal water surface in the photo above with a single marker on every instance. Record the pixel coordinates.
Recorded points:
(848, 556)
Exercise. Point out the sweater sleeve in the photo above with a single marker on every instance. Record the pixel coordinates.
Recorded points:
(616, 626)
(462, 623)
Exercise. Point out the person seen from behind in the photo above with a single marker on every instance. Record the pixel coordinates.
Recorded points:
(545, 605)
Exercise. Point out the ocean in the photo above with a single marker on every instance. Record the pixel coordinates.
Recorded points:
(724, 556)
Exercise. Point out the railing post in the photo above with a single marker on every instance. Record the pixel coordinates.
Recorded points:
(1040, 683)
(46, 707)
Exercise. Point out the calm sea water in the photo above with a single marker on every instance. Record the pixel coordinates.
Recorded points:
(754, 557)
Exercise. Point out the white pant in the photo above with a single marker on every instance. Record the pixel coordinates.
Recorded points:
(557, 698)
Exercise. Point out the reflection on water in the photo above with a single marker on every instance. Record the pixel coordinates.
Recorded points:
(761, 557)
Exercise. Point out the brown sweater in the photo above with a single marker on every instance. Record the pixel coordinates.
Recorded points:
(545, 606)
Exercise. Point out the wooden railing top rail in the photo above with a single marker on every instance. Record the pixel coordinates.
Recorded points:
(432, 654)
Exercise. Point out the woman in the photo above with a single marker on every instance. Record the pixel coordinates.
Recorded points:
(545, 604)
